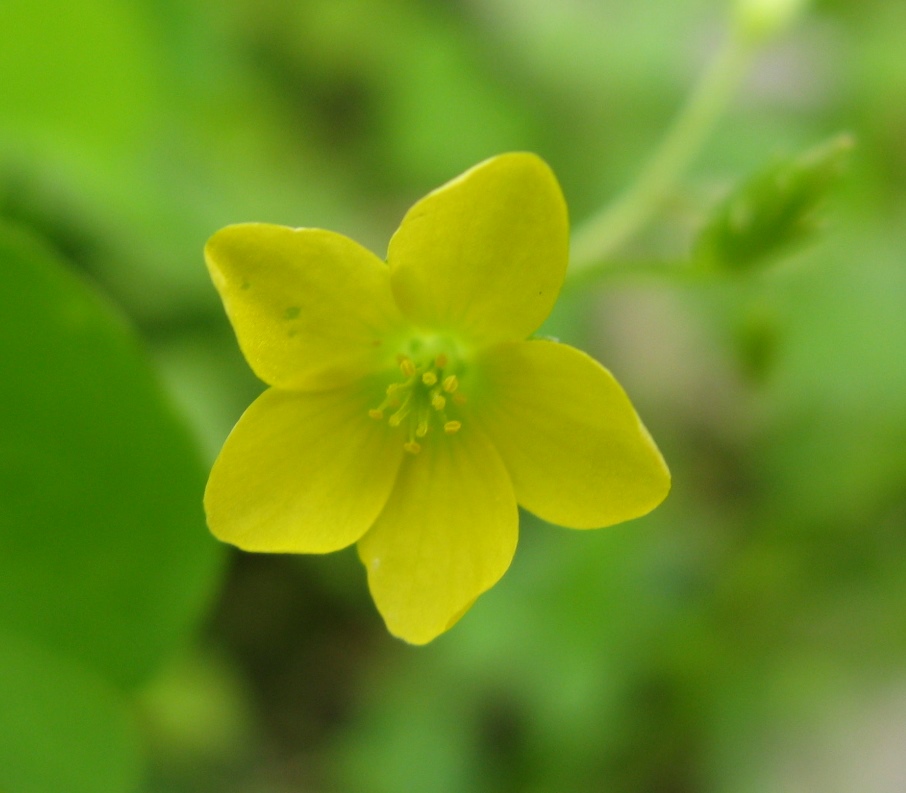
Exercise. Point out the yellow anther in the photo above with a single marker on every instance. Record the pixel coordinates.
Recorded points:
(376, 414)
(451, 383)
(438, 402)
(440, 361)
(407, 367)
(397, 418)
(422, 429)
(429, 378)
(412, 447)
(459, 399)
(452, 426)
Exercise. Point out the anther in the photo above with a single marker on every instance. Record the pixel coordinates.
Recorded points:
(420, 401)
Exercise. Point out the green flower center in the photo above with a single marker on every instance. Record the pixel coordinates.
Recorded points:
(423, 400)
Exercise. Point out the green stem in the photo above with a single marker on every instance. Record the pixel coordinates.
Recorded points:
(606, 231)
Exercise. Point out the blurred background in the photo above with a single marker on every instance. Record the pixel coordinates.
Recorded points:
(747, 637)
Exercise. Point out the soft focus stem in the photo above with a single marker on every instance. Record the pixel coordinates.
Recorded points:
(605, 232)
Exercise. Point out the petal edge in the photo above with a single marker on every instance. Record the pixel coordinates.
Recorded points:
(447, 534)
(302, 473)
(484, 255)
(578, 454)
(311, 308)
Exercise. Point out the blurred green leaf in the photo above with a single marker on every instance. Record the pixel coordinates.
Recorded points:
(61, 728)
(837, 448)
(104, 555)
(772, 211)
(75, 78)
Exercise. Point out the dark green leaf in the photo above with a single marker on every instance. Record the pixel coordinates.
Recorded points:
(104, 555)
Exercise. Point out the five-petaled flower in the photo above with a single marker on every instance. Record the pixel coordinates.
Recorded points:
(407, 412)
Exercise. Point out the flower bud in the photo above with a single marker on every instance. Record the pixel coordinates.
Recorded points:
(772, 212)
(761, 20)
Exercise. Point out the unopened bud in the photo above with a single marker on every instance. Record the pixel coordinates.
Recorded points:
(761, 20)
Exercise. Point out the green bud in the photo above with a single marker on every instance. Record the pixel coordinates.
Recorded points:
(761, 20)
(773, 211)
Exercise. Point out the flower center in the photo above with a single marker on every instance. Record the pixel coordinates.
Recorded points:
(421, 401)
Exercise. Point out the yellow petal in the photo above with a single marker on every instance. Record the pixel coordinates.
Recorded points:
(575, 448)
(484, 256)
(447, 534)
(302, 473)
(311, 308)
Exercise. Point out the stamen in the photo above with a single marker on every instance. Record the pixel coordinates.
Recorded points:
(419, 401)
(397, 418)
(422, 429)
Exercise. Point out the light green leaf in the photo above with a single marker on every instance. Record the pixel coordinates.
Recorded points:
(104, 555)
(75, 78)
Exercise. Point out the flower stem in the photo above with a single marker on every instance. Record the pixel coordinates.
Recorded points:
(615, 224)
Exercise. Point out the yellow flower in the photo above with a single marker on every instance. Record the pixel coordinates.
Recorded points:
(407, 411)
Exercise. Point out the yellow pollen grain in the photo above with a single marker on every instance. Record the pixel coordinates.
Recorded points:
(452, 426)
(451, 383)
(407, 367)
(412, 447)
(429, 378)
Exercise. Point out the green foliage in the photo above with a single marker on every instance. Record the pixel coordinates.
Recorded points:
(61, 727)
(772, 211)
(104, 556)
(711, 647)
(65, 97)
